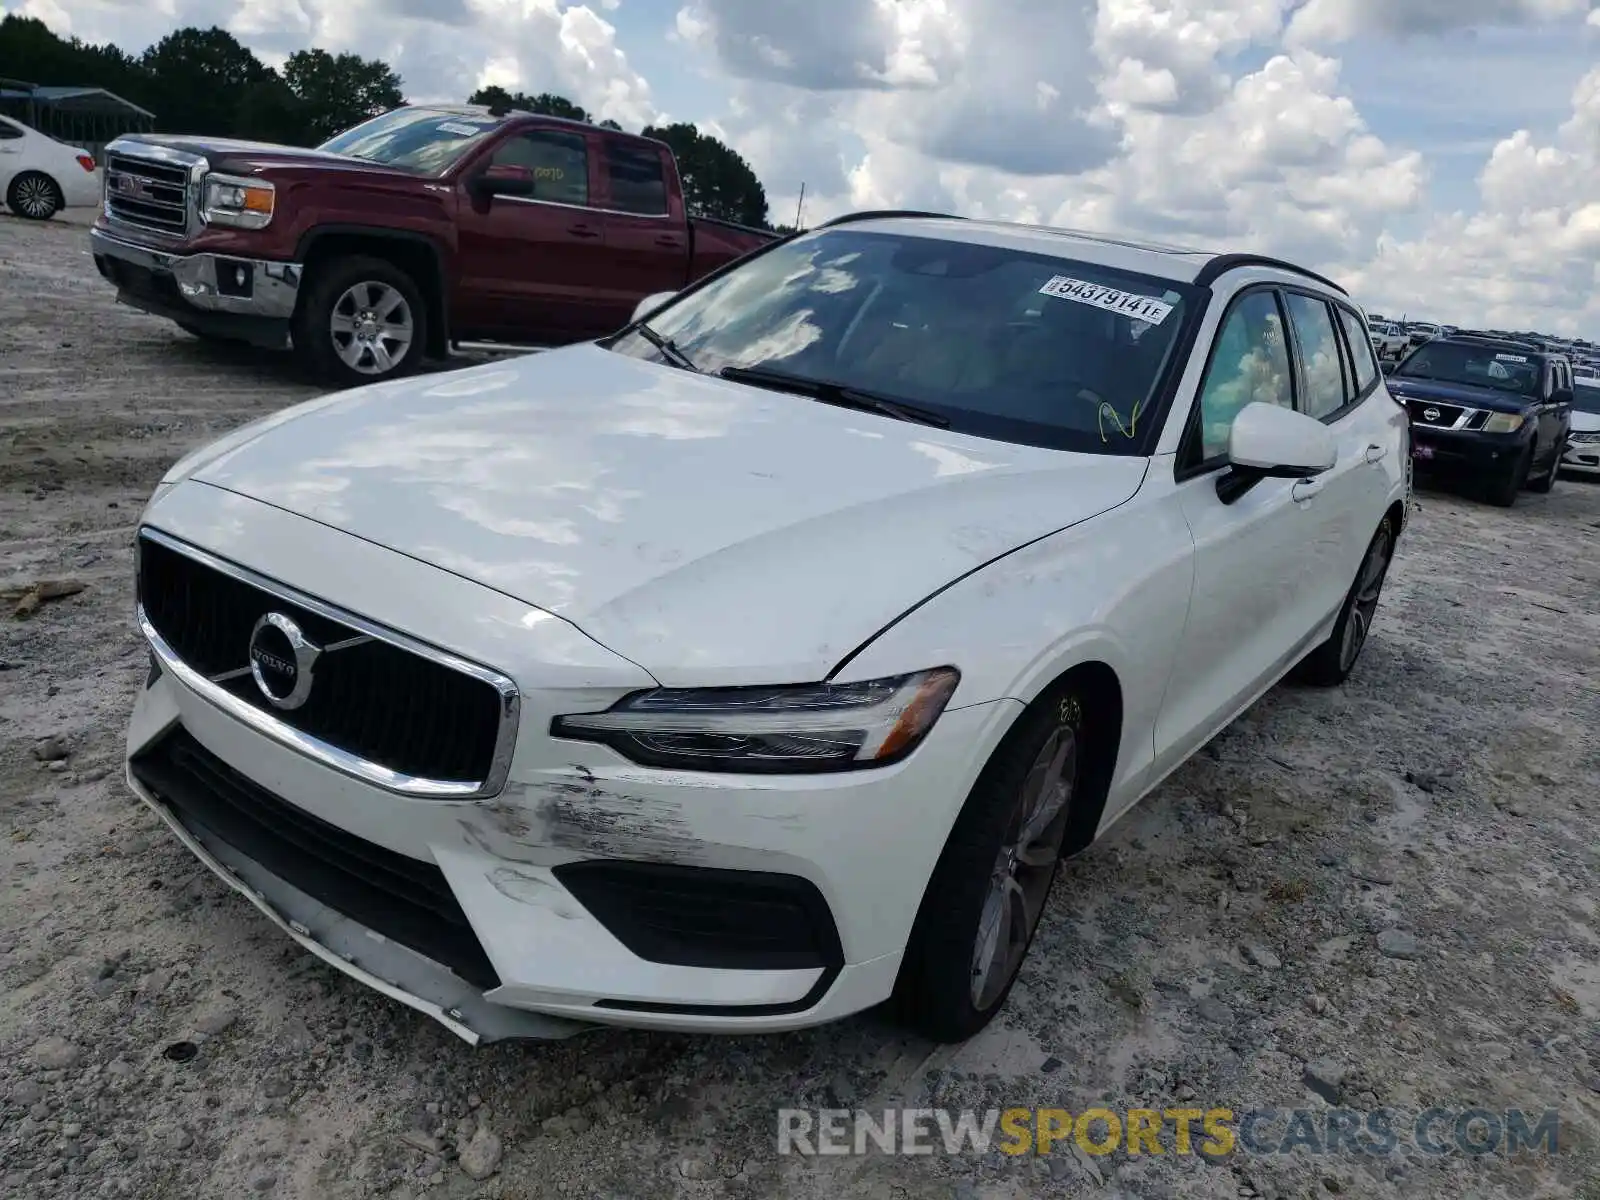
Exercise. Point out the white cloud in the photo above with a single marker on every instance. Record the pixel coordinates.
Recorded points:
(1338, 20)
(1530, 255)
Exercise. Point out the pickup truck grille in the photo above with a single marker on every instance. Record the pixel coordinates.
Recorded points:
(147, 194)
(386, 706)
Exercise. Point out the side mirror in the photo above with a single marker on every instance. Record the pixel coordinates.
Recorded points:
(1387, 366)
(503, 179)
(1270, 442)
(1561, 396)
(651, 303)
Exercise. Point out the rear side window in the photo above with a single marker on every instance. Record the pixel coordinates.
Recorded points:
(8, 130)
(1318, 347)
(638, 183)
(1360, 350)
(558, 162)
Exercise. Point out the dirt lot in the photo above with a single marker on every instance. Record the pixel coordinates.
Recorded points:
(1385, 894)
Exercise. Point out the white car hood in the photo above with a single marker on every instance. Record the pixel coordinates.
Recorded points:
(709, 531)
(1585, 422)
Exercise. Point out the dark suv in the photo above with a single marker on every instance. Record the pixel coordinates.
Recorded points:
(1496, 410)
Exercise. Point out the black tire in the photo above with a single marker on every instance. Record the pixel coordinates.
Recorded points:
(935, 992)
(1503, 492)
(34, 196)
(332, 286)
(1330, 663)
(1542, 485)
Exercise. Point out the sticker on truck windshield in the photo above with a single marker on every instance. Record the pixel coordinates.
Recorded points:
(1511, 358)
(1128, 304)
(459, 128)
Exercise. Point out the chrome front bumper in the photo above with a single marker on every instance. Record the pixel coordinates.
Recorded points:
(213, 283)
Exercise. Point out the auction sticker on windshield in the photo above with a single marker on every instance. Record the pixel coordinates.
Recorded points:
(1140, 308)
(1511, 357)
(460, 128)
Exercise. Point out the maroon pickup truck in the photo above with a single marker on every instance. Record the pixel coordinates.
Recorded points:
(415, 232)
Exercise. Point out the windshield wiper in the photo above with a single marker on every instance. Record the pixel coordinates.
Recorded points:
(668, 347)
(840, 394)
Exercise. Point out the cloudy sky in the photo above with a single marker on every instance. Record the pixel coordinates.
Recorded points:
(1440, 157)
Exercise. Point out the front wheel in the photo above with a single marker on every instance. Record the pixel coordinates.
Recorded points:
(362, 320)
(1330, 664)
(987, 892)
(34, 195)
(1502, 492)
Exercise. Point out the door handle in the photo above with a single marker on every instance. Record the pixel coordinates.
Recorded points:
(583, 231)
(1305, 489)
(669, 243)
(1375, 453)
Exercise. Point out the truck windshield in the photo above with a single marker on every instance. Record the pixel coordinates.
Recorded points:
(1476, 366)
(987, 340)
(425, 140)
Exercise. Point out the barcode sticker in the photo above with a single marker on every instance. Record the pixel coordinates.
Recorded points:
(1128, 304)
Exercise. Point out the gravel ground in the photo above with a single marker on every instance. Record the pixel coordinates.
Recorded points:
(1384, 894)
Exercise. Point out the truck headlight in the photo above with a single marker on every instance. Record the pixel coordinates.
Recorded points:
(806, 728)
(242, 203)
(1503, 422)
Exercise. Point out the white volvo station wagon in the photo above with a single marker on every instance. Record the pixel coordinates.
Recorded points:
(761, 662)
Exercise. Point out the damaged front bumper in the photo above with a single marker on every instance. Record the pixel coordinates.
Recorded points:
(581, 893)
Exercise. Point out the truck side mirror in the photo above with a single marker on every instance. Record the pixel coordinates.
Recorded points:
(1387, 366)
(503, 179)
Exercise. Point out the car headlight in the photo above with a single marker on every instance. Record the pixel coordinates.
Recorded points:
(1585, 436)
(1503, 422)
(242, 203)
(771, 730)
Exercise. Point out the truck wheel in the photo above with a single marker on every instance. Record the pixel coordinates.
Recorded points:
(34, 195)
(1502, 492)
(362, 320)
(1546, 482)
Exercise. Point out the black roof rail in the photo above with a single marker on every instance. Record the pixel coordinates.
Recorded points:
(1523, 343)
(1223, 263)
(879, 213)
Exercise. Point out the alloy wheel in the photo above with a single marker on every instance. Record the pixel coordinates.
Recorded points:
(1364, 605)
(372, 327)
(1024, 867)
(35, 197)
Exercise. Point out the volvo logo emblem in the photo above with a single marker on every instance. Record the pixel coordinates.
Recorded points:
(282, 660)
(1431, 414)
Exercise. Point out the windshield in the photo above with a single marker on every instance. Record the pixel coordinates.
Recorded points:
(425, 140)
(996, 342)
(1586, 398)
(1476, 366)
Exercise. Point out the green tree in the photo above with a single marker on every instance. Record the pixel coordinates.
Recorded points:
(546, 104)
(269, 112)
(338, 91)
(717, 182)
(197, 76)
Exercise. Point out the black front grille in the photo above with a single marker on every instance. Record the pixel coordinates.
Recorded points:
(1443, 416)
(148, 194)
(708, 917)
(377, 701)
(405, 899)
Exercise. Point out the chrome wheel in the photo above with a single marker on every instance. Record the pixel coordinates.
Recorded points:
(372, 327)
(1024, 867)
(34, 197)
(1364, 604)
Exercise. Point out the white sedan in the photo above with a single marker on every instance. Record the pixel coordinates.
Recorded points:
(762, 662)
(40, 176)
